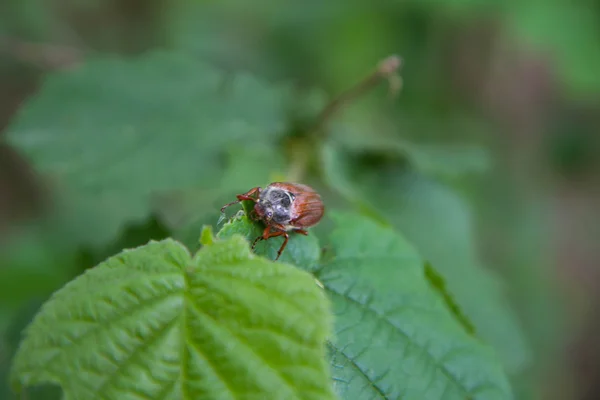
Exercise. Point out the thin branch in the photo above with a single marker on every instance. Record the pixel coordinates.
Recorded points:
(386, 70)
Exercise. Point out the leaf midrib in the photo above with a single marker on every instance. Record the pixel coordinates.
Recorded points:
(106, 324)
(133, 356)
(388, 322)
(379, 391)
(274, 371)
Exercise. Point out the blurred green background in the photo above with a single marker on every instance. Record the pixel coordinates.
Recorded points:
(488, 157)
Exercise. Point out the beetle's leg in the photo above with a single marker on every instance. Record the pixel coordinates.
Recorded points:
(250, 195)
(280, 231)
(268, 233)
(301, 231)
(264, 236)
(256, 241)
(285, 234)
(228, 205)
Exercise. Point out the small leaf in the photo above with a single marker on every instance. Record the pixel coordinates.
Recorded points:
(155, 323)
(394, 335)
(301, 250)
(206, 237)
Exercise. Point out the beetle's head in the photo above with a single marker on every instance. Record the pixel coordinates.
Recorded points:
(264, 211)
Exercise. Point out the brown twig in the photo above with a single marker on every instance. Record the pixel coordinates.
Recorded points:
(42, 55)
(387, 69)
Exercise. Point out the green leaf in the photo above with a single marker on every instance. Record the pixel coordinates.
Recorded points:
(438, 223)
(156, 323)
(206, 237)
(394, 335)
(126, 130)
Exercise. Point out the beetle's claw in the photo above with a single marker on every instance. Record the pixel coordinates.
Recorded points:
(255, 242)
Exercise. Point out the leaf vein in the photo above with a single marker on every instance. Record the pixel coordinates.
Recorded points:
(275, 372)
(155, 337)
(443, 368)
(105, 324)
(378, 391)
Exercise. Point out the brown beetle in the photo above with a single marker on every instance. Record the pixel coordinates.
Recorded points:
(283, 207)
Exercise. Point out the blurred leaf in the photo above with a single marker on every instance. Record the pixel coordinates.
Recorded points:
(95, 219)
(17, 285)
(438, 222)
(336, 169)
(352, 42)
(541, 303)
(434, 159)
(394, 335)
(518, 237)
(565, 31)
(26, 18)
(125, 130)
(156, 322)
(31, 266)
(444, 160)
(23, 316)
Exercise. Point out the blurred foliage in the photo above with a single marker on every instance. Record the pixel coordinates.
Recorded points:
(141, 158)
(166, 110)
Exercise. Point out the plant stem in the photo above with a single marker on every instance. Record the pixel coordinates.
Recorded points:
(386, 69)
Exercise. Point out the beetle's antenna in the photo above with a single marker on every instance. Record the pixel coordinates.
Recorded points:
(221, 218)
